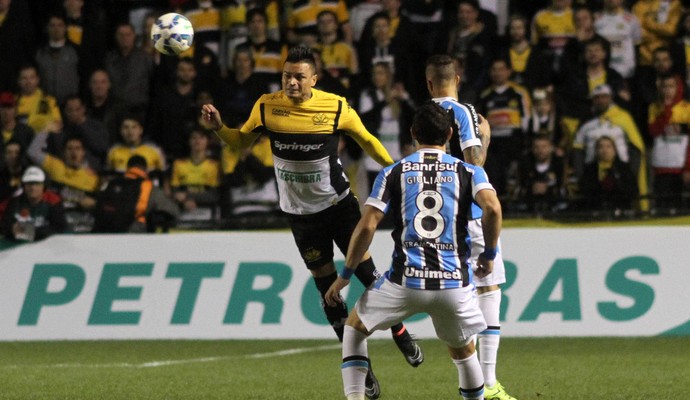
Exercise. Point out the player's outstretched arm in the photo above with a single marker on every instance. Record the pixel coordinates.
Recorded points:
(210, 119)
(356, 251)
(373, 147)
(492, 220)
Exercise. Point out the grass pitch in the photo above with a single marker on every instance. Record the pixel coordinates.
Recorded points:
(535, 368)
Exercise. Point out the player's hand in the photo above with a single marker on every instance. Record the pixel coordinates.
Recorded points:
(210, 117)
(332, 296)
(484, 266)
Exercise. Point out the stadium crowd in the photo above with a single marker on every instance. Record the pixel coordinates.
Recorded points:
(586, 100)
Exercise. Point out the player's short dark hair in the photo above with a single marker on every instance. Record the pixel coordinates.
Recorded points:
(441, 66)
(301, 54)
(137, 161)
(431, 124)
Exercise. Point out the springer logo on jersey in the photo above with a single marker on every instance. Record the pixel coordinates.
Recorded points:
(296, 146)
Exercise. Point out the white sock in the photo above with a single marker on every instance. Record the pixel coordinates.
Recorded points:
(470, 377)
(490, 304)
(355, 363)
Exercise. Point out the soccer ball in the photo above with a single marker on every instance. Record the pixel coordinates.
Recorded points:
(172, 34)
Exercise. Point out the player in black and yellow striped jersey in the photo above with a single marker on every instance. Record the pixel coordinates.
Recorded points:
(304, 126)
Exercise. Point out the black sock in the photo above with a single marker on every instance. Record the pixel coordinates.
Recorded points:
(337, 315)
(366, 272)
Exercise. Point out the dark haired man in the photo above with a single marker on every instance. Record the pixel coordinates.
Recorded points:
(304, 125)
(430, 194)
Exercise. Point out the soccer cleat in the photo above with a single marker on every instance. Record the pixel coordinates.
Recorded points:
(409, 347)
(496, 392)
(371, 385)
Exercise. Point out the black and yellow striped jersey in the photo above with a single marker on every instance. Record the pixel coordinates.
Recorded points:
(505, 108)
(304, 140)
(304, 12)
(119, 154)
(195, 177)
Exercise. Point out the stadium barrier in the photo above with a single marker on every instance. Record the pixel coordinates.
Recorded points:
(630, 281)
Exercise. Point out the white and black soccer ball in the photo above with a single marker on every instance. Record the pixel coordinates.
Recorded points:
(172, 34)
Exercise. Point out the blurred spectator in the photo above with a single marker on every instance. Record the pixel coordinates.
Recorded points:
(233, 26)
(301, 21)
(206, 20)
(551, 29)
(337, 56)
(507, 107)
(573, 95)
(679, 46)
(382, 47)
(530, 67)
(636, 147)
(12, 130)
(659, 19)
(132, 143)
(174, 112)
(195, 180)
(401, 33)
(71, 177)
(11, 168)
(386, 110)
(607, 183)
(86, 28)
(130, 70)
(623, 31)
(540, 177)
(669, 118)
(35, 108)
(35, 213)
(132, 203)
(359, 14)
(544, 120)
(242, 88)
(92, 131)
(471, 43)
(58, 61)
(17, 41)
(427, 21)
(584, 145)
(272, 10)
(268, 54)
(249, 182)
(574, 51)
(102, 106)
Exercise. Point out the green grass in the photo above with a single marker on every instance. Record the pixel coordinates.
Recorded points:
(535, 368)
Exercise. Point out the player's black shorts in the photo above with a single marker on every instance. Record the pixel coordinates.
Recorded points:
(315, 233)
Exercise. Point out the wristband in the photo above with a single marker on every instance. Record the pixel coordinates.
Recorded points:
(347, 273)
(489, 254)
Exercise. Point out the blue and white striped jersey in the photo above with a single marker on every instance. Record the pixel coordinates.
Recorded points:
(465, 132)
(429, 193)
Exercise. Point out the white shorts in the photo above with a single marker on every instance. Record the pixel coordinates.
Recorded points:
(455, 313)
(498, 275)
